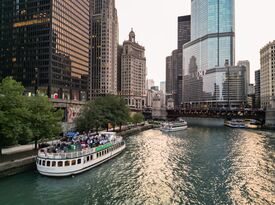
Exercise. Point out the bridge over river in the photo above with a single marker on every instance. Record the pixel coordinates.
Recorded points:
(222, 114)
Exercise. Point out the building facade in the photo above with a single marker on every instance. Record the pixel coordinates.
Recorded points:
(245, 63)
(174, 71)
(212, 46)
(257, 89)
(133, 73)
(162, 86)
(267, 75)
(45, 45)
(119, 55)
(227, 92)
(184, 36)
(104, 43)
(149, 83)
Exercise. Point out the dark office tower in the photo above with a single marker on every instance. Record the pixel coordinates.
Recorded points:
(184, 35)
(104, 48)
(46, 43)
(169, 76)
(258, 88)
(119, 66)
(184, 30)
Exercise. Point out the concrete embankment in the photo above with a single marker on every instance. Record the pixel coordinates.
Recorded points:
(17, 166)
(28, 162)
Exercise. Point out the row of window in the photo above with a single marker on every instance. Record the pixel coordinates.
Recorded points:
(50, 163)
(58, 163)
(106, 151)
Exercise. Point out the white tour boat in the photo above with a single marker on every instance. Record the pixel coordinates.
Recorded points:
(65, 163)
(174, 126)
(235, 123)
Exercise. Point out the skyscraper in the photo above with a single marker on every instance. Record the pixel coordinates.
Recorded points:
(212, 44)
(104, 29)
(162, 86)
(257, 89)
(184, 30)
(133, 73)
(45, 45)
(176, 72)
(169, 76)
(267, 75)
(246, 64)
(184, 36)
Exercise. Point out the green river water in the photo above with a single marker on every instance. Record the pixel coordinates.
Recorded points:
(197, 166)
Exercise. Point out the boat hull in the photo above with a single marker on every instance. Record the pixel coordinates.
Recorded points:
(77, 169)
(176, 129)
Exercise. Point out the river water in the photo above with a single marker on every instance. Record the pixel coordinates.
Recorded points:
(197, 166)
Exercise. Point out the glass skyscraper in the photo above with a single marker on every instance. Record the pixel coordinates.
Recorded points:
(45, 44)
(212, 44)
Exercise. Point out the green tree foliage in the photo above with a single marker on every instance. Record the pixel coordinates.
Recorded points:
(137, 118)
(44, 120)
(12, 112)
(102, 111)
(22, 118)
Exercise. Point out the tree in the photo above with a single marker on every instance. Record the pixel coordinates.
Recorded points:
(101, 112)
(44, 120)
(12, 112)
(137, 118)
(23, 118)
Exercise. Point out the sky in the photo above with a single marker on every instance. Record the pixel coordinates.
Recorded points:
(155, 25)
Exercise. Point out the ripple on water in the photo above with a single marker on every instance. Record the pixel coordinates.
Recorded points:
(196, 166)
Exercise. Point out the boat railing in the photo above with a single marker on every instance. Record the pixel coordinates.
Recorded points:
(67, 155)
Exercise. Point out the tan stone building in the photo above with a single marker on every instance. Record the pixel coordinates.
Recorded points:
(133, 73)
(267, 75)
(104, 43)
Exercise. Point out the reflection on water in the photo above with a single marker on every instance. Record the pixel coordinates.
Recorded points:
(252, 171)
(195, 166)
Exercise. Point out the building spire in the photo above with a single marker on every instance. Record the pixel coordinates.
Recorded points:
(132, 36)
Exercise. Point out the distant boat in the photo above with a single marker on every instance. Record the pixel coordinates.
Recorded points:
(77, 158)
(235, 123)
(174, 126)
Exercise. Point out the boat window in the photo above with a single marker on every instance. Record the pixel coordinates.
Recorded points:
(91, 157)
(39, 162)
(79, 161)
(53, 163)
(43, 163)
(67, 163)
(48, 163)
(97, 154)
(60, 164)
(88, 158)
(73, 162)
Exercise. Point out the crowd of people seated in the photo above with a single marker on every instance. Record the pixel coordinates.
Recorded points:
(78, 143)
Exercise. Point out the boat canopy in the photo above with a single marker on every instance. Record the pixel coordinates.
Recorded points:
(72, 134)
